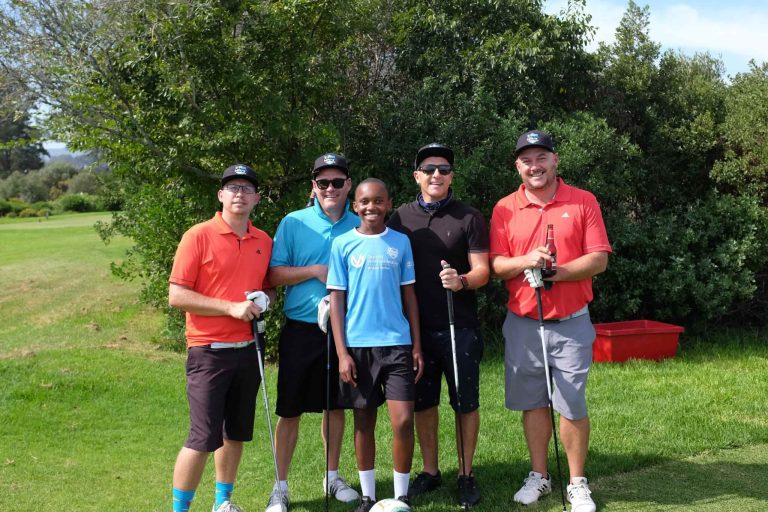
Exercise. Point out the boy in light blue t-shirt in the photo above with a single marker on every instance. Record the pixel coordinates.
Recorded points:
(370, 279)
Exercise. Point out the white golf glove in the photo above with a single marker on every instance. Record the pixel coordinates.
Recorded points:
(260, 299)
(533, 276)
(324, 313)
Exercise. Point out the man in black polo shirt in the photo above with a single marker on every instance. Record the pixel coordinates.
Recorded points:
(441, 228)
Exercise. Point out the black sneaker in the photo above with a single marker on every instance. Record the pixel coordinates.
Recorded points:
(469, 494)
(425, 483)
(405, 500)
(365, 505)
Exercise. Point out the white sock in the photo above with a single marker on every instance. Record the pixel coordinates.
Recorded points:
(333, 475)
(401, 483)
(368, 483)
(283, 486)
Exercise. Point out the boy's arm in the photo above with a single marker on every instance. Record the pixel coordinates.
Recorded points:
(347, 369)
(412, 313)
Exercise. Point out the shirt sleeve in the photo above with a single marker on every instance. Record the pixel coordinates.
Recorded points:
(477, 233)
(337, 269)
(281, 246)
(595, 234)
(499, 240)
(186, 262)
(407, 270)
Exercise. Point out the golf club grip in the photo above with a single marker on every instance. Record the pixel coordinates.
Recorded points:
(448, 295)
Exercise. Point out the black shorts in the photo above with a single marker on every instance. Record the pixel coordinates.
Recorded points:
(383, 373)
(301, 375)
(438, 361)
(221, 389)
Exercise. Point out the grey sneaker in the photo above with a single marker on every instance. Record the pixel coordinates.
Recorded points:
(277, 502)
(534, 487)
(340, 489)
(227, 507)
(579, 496)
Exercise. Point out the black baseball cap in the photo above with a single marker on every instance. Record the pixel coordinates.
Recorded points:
(330, 160)
(239, 171)
(534, 139)
(433, 149)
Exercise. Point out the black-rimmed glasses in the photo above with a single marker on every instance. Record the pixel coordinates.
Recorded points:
(337, 183)
(443, 169)
(245, 189)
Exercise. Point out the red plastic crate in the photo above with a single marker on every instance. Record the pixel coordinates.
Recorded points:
(635, 339)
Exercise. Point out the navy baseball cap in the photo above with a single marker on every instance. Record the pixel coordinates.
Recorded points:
(239, 171)
(330, 160)
(534, 139)
(433, 149)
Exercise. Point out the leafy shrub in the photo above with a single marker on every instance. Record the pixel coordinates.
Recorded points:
(79, 203)
(5, 207)
(28, 212)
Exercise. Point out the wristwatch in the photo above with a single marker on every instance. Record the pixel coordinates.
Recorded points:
(464, 282)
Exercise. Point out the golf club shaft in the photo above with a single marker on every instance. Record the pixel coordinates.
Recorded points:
(327, 412)
(266, 406)
(540, 311)
(451, 325)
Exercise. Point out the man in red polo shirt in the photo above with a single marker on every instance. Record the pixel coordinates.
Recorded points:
(216, 264)
(517, 254)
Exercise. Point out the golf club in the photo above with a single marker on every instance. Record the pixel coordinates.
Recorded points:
(258, 328)
(327, 412)
(540, 311)
(449, 297)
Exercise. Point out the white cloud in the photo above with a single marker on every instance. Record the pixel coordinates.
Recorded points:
(733, 31)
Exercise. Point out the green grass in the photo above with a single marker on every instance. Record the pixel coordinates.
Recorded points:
(92, 415)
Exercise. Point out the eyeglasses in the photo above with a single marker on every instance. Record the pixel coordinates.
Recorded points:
(337, 183)
(443, 169)
(245, 189)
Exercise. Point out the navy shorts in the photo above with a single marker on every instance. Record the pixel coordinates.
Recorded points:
(383, 373)
(438, 361)
(302, 371)
(221, 389)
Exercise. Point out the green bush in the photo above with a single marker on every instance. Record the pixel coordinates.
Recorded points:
(5, 207)
(79, 203)
(28, 212)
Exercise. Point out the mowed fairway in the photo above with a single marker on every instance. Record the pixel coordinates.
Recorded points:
(92, 415)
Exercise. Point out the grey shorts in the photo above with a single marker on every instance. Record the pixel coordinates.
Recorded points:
(569, 351)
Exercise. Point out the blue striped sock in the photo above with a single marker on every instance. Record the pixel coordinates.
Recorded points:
(223, 493)
(182, 500)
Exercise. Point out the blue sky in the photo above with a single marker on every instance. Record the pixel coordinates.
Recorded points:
(734, 31)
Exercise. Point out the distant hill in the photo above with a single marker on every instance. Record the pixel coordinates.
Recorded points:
(62, 154)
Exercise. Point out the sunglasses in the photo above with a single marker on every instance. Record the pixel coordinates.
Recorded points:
(443, 169)
(337, 183)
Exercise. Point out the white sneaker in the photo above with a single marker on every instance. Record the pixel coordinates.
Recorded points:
(534, 487)
(227, 507)
(579, 496)
(341, 490)
(277, 502)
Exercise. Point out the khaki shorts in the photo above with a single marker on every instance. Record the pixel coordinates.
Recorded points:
(569, 352)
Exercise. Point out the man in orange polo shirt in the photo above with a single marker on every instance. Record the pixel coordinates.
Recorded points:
(217, 263)
(517, 254)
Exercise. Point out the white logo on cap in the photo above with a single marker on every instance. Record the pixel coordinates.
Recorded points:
(329, 159)
(532, 138)
(241, 169)
(392, 252)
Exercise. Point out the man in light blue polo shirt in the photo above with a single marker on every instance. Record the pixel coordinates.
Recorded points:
(302, 246)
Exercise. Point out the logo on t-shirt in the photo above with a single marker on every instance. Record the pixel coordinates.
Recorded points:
(565, 215)
(357, 261)
(392, 252)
